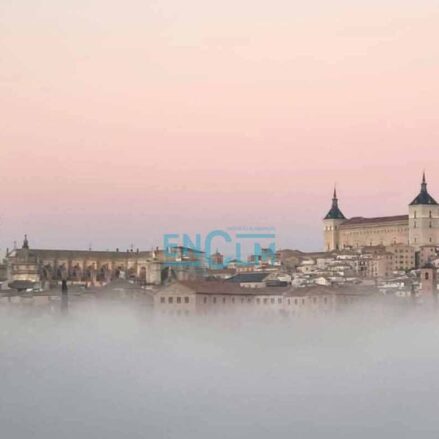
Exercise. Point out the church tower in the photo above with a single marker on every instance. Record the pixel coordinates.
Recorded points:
(331, 224)
(423, 219)
(429, 280)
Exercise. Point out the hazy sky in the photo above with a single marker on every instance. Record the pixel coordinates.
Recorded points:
(121, 121)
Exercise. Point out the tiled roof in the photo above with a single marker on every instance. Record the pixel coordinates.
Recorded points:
(383, 219)
(21, 284)
(248, 277)
(224, 287)
(230, 288)
(335, 212)
(423, 198)
(49, 253)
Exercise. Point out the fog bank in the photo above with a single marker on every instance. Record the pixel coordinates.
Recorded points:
(116, 373)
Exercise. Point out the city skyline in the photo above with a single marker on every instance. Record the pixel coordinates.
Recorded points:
(191, 235)
(219, 219)
(122, 125)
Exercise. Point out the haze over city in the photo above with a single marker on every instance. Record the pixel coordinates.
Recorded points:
(110, 371)
(219, 219)
(122, 122)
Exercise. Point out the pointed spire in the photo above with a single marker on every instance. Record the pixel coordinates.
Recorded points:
(424, 183)
(335, 212)
(424, 198)
(25, 242)
(334, 198)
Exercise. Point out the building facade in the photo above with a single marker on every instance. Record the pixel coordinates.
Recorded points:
(50, 267)
(419, 228)
(218, 298)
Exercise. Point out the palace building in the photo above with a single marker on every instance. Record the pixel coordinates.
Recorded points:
(418, 229)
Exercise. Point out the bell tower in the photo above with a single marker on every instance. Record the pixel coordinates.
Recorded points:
(429, 281)
(331, 224)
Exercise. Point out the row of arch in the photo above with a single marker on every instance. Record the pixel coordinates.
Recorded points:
(89, 273)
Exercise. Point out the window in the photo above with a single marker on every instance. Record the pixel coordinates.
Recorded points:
(205, 300)
(214, 300)
(258, 301)
(186, 300)
(279, 300)
(162, 299)
(178, 299)
(170, 299)
(429, 214)
(272, 300)
(224, 300)
(265, 301)
(427, 275)
(296, 302)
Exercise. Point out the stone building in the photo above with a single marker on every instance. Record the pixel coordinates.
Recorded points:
(100, 267)
(428, 280)
(380, 265)
(420, 227)
(404, 257)
(428, 253)
(217, 298)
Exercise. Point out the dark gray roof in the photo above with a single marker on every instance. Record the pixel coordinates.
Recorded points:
(423, 198)
(248, 277)
(21, 284)
(428, 265)
(229, 288)
(335, 212)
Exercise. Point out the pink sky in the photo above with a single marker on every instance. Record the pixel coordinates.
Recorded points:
(121, 124)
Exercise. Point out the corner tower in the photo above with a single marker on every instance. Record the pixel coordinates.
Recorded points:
(423, 219)
(331, 223)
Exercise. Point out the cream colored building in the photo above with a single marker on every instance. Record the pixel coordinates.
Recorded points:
(420, 227)
(380, 266)
(223, 297)
(101, 267)
(404, 256)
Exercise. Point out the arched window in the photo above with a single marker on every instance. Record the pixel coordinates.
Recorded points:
(430, 214)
